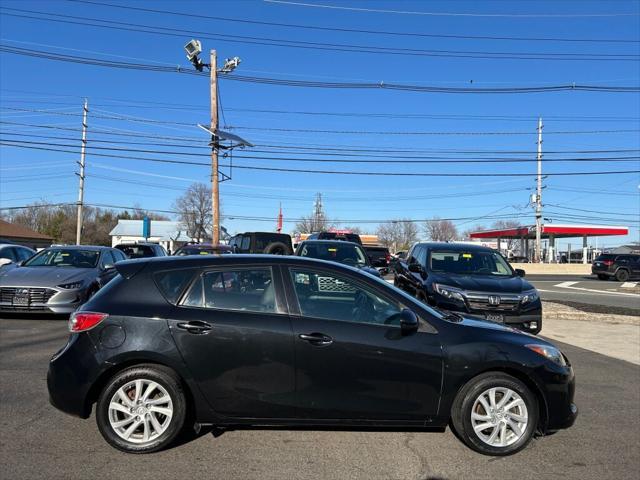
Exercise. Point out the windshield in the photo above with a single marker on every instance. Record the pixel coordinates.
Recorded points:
(65, 257)
(346, 253)
(470, 263)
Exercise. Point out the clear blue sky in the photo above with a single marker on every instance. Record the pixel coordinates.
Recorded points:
(38, 84)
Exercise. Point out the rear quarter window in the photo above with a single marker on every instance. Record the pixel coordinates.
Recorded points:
(172, 283)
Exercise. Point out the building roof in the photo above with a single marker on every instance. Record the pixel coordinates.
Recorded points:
(557, 230)
(162, 229)
(13, 230)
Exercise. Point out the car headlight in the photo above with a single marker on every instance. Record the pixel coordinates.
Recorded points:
(549, 352)
(451, 293)
(72, 285)
(530, 296)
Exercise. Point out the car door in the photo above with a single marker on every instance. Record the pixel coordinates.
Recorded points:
(234, 333)
(415, 280)
(402, 270)
(352, 360)
(106, 267)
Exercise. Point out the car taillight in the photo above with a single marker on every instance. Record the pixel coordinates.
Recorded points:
(83, 321)
(608, 263)
(387, 257)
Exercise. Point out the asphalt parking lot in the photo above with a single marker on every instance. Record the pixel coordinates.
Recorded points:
(37, 441)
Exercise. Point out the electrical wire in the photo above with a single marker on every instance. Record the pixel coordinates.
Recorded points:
(322, 46)
(201, 16)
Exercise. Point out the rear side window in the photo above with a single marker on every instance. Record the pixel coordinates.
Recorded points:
(172, 283)
(250, 290)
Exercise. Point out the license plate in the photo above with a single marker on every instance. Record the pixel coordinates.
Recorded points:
(22, 300)
(494, 317)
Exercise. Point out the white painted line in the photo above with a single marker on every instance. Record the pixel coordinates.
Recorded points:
(569, 285)
(629, 285)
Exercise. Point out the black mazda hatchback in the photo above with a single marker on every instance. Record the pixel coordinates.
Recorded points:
(253, 340)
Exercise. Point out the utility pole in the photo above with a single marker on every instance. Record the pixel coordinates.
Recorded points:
(215, 179)
(538, 252)
(85, 109)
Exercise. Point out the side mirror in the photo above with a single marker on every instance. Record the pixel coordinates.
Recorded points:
(408, 322)
(519, 272)
(5, 261)
(415, 268)
(109, 266)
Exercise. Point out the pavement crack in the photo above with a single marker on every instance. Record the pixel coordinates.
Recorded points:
(424, 465)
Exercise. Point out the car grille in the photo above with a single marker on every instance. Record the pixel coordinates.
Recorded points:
(36, 296)
(483, 301)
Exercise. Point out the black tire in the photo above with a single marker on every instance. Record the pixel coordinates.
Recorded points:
(464, 402)
(603, 277)
(622, 275)
(277, 248)
(169, 381)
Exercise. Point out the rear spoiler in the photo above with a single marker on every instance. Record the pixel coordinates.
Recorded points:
(129, 268)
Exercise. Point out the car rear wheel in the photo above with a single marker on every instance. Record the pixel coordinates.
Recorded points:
(495, 414)
(622, 275)
(602, 277)
(141, 409)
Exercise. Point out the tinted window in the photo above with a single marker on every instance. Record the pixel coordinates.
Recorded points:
(172, 283)
(245, 245)
(65, 257)
(346, 253)
(334, 297)
(201, 251)
(107, 259)
(605, 256)
(137, 251)
(249, 290)
(23, 253)
(470, 263)
(420, 255)
(9, 253)
(118, 255)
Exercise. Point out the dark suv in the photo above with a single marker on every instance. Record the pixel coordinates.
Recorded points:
(346, 237)
(202, 249)
(619, 266)
(142, 250)
(348, 253)
(474, 280)
(262, 242)
(379, 257)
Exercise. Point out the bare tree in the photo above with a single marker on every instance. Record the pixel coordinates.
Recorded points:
(466, 234)
(512, 244)
(312, 224)
(439, 230)
(195, 212)
(397, 234)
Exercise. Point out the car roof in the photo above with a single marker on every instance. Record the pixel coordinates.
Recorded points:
(97, 248)
(329, 241)
(455, 247)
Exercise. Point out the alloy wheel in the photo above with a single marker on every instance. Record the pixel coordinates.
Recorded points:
(140, 411)
(499, 417)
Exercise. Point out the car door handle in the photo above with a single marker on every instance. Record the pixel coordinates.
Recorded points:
(316, 338)
(196, 327)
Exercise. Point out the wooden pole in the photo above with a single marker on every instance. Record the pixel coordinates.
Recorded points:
(215, 182)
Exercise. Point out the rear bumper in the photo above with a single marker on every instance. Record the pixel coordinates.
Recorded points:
(599, 271)
(68, 376)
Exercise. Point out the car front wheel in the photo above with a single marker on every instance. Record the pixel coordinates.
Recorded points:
(495, 414)
(141, 409)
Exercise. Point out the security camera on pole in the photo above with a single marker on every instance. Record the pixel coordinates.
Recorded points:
(193, 50)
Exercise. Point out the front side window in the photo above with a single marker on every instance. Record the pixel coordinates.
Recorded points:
(346, 253)
(250, 290)
(470, 263)
(65, 257)
(334, 297)
(245, 245)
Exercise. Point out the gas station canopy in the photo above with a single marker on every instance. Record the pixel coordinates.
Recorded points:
(555, 230)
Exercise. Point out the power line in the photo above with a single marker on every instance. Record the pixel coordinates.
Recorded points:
(331, 172)
(352, 30)
(330, 85)
(388, 160)
(322, 46)
(456, 14)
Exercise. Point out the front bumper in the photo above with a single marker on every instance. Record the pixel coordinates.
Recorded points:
(560, 385)
(41, 300)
